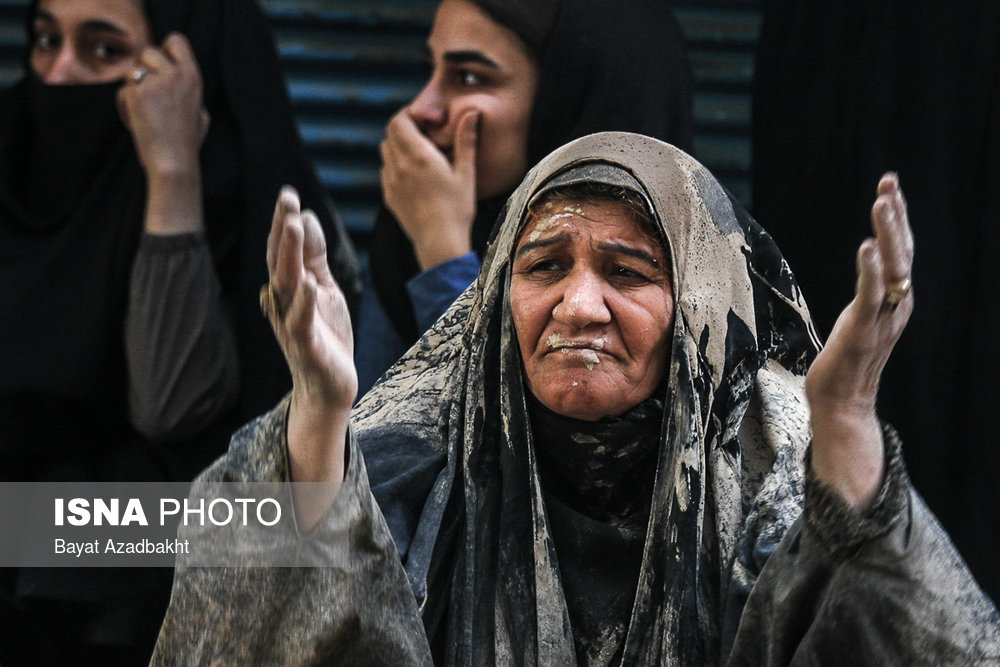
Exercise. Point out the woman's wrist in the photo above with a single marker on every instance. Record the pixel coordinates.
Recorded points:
(317, 433)
(174, 201)
(848, 451)
(440, 248)
(175, 168)
(317, 441)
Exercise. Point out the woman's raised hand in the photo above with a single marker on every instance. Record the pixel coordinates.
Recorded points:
(162, 107)
(842, 383)
(161, 104)
(310, 319)
(433, 197)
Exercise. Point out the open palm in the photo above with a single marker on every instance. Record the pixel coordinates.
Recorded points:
(308, 310)
(842, 384)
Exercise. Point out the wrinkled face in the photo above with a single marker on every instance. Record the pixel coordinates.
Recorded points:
(593, 308)
(87, 41)
(479, 64)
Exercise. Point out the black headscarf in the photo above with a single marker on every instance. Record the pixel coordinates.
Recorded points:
(72, 198)
(604, 65)
(466, 469)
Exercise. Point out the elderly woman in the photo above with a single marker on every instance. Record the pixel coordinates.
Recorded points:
(596, 455)
(139, 155)
(510, 82)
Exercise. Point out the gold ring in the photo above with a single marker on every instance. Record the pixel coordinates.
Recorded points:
(269, 302)
(896, 291)
(139, 74)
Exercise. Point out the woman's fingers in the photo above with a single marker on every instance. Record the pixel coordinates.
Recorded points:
(869, 289)
(155, 60)
(894, 236)
(314, 251)
(178, 51)
(466, 138)
(288, 270)
(288, 202)
(302, 308)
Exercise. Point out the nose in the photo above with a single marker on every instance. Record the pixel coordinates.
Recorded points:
(65, 68)
(429, 108)
(583, 301)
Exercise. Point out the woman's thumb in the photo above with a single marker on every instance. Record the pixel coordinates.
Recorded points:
(465, 143)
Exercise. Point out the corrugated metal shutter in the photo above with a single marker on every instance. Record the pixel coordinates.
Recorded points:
(352, 63)
(721, 39)
(350, 66)
(11, 39)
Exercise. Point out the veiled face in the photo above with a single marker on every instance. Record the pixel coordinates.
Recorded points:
(479, 64)
(593, 308)
(87, 41)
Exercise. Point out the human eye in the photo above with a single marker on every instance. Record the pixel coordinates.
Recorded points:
(628, 276)
(45, 40)
(545, 268)
(108, 51)
(468, 79)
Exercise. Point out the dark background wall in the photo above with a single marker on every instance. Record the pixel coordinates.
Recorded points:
(351, 63)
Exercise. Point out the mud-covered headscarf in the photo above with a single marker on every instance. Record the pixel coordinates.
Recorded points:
(451, 440)
(603, 65)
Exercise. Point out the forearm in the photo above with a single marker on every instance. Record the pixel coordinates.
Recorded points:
(441, 243)
(180, 347)
(317, 438)
(173, 201)
(848, 452)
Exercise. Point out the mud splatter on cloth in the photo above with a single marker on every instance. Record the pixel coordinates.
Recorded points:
(717, 566)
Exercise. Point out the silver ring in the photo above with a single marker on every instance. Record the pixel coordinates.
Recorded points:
(139, 74)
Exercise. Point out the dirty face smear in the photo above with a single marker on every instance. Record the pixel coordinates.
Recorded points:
(593, 308)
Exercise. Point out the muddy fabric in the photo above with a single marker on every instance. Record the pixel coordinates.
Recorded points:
(457, 468)
(741, 331)
(597, 486)
(287, 616)
(831, 594)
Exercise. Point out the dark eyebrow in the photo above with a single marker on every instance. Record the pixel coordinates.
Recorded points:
(103, 26)
(608, 246)
(641, 255)
(544, 243)
(469, 57)
(94, 25)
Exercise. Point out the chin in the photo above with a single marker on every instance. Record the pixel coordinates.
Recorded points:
(577, 403)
